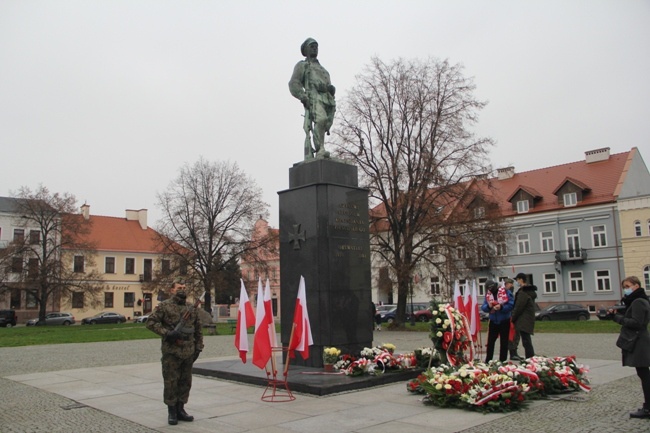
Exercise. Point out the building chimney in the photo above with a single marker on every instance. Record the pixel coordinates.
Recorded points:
(137, 215)
(85, 211)
(597, 155)
(505, 173)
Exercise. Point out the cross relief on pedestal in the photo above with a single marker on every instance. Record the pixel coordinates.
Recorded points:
(296, 236)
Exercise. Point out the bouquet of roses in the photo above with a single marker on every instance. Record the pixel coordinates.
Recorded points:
(559, 374)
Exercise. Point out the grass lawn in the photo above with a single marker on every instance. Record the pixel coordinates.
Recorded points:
(34, 335)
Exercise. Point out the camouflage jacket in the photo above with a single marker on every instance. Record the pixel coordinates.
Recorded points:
(164, 319)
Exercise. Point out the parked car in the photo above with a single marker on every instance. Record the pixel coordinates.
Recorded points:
(103, 318)
(563, 312)
(604, 315)
(55, 318)
(8, 318)
(388, 316)
(141, 319)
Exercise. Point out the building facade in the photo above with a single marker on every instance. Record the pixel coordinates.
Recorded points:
(575, 229)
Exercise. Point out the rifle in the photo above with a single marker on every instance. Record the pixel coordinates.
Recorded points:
(183, 322)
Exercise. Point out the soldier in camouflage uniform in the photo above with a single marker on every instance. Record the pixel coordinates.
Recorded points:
(179, 350)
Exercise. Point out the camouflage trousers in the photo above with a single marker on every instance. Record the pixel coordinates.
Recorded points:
(177, 377)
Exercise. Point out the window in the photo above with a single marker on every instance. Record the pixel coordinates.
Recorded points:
(434, 248)
(165, 267)
(522, 206)
(32, 268)
(573, 243)
(575, 282)
(19, 235)
(148, 269)
(108, 299)
(479, 212)
(547, 242)
(435, 285)
(523, 244)
(78, 263)
(637, 228)
(481, 286)
(78, 300)
(599, 236)
(129, 299)
(34, 237)
(648, 226)
(129, 265)
(461, 253)
(109, 265)
(603, 282)
(550, 284)
(570, 199)
(462, 285)
(30, 299)
(501, 248)
(16, 265)
(646, 275)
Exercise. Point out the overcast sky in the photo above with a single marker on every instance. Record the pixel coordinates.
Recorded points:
(108, 99)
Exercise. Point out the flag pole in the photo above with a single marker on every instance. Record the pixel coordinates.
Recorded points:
(286, 364)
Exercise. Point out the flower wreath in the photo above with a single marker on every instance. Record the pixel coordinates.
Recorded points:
(451, 335)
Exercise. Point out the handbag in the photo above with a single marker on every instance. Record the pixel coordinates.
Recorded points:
(627, 340)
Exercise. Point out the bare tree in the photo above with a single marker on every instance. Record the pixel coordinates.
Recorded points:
(406, 125)
(209, 212)
(51, 257)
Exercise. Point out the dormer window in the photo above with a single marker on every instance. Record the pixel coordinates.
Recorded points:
(522, 206)
(479, 212)
(570, 199)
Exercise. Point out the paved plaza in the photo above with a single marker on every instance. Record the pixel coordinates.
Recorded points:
(117, 387)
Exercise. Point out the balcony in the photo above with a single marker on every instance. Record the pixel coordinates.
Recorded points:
(571, 256)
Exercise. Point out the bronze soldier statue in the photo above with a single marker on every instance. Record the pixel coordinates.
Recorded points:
(181, 346)
(310, 83)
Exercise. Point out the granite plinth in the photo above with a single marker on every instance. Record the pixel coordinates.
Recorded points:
(307, 380)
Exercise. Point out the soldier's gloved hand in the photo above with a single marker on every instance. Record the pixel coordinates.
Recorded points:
(196, 355)
(172, 336)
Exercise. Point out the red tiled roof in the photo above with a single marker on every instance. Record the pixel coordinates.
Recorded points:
(601, 180)
(120, 234)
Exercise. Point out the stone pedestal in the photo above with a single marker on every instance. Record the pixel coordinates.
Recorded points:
(324, 237)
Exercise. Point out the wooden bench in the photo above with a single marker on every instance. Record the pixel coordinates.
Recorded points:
(212, 327)
(232, 323)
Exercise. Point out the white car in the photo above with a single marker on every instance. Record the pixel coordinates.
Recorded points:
(141, 319)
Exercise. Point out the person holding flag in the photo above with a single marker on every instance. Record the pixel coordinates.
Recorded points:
(499, 302)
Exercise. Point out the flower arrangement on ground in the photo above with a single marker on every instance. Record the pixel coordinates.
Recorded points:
(375, 360)
(331, 355)
(450, 334)
(496, 386)
(427, 357)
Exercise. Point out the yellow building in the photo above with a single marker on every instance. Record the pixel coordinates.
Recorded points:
(127, 256)
(635, 237)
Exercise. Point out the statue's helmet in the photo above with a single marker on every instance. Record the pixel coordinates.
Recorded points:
(303, 47)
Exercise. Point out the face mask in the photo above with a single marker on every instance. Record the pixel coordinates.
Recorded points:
(627, 291)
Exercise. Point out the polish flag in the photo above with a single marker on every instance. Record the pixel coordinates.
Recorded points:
(302, 337)
(459, 303)
(474, 316)
(245, 319)
(268, 308)
(261, 341)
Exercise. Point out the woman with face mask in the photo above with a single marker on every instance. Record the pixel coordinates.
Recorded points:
(635, 328)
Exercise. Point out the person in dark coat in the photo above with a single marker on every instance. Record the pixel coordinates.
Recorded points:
(498, 302)
(523, 316)
(635, 321)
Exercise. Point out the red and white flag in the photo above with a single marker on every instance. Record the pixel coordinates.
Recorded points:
(302, 337)
(459, 303)
(268, 308)
(245, 319)
(474, 316)
(261, 341)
